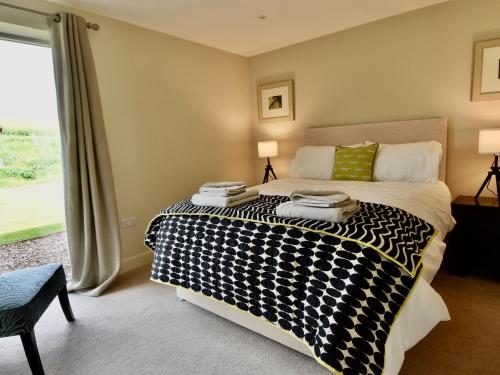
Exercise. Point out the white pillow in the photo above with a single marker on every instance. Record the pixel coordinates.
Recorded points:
(413, 162)
(314, 162)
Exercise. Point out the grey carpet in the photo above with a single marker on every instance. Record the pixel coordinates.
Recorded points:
(469, 344)
(138, 327)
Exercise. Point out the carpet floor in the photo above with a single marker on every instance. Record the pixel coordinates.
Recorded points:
(139, 327)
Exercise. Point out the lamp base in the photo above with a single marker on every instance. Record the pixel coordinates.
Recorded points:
(494, 171)
(269, 172)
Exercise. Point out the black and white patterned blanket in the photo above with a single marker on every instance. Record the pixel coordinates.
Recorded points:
(337, 287)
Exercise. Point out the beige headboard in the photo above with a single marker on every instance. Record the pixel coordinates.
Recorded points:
(383, 132)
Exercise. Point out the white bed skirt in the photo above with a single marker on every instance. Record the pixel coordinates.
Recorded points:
(245, 320)
(412, 324)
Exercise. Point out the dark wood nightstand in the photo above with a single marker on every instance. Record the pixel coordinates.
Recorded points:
(474, 243)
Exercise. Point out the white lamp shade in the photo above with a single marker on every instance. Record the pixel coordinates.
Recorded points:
(267, 149)
(489, 141)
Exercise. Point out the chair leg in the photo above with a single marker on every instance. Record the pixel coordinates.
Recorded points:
(66, 307)
(31, 350)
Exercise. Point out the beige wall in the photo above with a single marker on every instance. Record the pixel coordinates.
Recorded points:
(415, 65)
(177, 114)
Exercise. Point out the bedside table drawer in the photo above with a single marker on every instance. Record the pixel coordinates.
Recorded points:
(483, 220)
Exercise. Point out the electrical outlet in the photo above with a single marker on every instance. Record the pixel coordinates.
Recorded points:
(129, 222)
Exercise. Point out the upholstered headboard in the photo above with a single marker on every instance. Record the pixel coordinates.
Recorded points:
(383, 132)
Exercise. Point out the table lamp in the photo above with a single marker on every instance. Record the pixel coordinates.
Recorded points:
(489, 143)
(268, 149)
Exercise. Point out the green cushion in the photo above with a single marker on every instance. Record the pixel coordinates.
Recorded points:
(354, 163)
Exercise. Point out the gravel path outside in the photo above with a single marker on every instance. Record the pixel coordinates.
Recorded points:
(36, 252)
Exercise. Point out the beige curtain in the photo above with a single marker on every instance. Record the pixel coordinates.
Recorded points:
(91, 215)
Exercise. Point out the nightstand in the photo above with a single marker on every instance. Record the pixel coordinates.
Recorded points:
(474, 243)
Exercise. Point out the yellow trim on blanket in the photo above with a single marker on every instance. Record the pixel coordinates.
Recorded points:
(412, 274)
(322, 363)
(399, 311)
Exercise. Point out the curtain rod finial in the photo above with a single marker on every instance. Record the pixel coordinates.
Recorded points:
(93, 26)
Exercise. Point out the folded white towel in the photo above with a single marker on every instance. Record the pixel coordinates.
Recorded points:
(231, 201)
(223, 188)
(222, 192)
(320, 198)
(334, 214)
(223, 184)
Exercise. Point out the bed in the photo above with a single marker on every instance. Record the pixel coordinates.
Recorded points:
(423, 307)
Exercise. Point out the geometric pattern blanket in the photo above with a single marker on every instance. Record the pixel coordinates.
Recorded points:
(336, 287)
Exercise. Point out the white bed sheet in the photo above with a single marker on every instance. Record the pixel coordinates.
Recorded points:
(424, 308)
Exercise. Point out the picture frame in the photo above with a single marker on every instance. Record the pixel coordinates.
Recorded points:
(486, 73)
(276, 102)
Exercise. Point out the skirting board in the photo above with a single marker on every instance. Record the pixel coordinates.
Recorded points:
(245, 320)
(136, 261)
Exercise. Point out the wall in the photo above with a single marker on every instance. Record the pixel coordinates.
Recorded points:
(414, 65)
(177, 114)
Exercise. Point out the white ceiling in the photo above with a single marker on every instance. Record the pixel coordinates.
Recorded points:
(234, 25)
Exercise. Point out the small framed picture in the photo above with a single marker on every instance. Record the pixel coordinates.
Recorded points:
(486, 79)
(276, 102)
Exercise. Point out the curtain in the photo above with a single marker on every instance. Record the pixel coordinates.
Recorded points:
(90, 203)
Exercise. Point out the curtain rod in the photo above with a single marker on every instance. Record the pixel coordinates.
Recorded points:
(57, 17)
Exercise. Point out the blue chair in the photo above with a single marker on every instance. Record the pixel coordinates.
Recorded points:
(24, 296)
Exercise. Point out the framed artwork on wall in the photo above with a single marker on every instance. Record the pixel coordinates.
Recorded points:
(276, 101)
(486, 76)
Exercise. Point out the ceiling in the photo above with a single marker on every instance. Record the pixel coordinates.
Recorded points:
(235, 26)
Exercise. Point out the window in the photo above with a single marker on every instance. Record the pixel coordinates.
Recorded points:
(32, 229)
